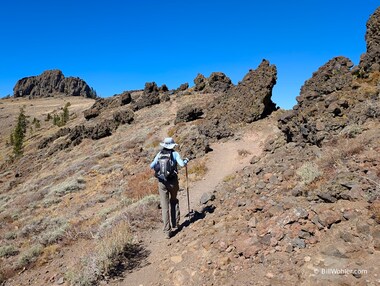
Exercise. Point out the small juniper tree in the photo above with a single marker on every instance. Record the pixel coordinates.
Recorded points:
(11, 139)
(66, 114)
(56, 120)
(19, 133)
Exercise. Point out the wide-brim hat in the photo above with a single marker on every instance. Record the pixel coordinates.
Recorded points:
(168, 143)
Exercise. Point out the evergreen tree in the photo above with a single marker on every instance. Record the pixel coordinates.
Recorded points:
(19, 133)
(65, 115)
(11, 140)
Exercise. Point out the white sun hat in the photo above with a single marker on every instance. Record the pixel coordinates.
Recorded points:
(168, 143)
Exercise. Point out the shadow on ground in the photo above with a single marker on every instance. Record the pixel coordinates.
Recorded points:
(193, 216)
(133, 258)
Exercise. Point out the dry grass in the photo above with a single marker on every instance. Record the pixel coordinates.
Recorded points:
(108, 254)
(197, 170)
(375, 208)
(142, 184)
(229, 178)
(48, 254)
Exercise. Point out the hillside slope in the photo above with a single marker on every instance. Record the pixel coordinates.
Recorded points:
(289, 197)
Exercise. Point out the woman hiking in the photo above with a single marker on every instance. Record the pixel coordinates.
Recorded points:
(165, 167)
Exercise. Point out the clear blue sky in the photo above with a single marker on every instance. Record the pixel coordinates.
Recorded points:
(119, 45)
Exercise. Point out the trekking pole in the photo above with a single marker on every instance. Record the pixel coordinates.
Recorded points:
(187, 191)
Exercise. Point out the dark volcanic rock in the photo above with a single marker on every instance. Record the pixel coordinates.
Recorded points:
(215, 128)
(163, 88)
(197, 144)
(125, 98)
(124, 116)
(370, 61)
(102, 104)
(149, 97)
(183, 86)
(200, 82)
(188, 113)
(217, 82)
(251, 99)
(51, 83)
(323, 106)
(333, 76)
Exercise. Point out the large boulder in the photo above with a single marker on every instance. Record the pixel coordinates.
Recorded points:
(323, 104)
(217, 82)
(188, 113)
(150, 96)
(251, 99)
(370, 61)
(200, 82)
(50, 83)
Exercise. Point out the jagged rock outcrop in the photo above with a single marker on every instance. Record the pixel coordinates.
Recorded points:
(163, 88)
(183, 86)
(102, 104)
(217, 82)
(337, 96)
(330, 101)
(249, 101)
(150, 96)
(188, 113)
(200, 82)
(74, 136)
(370, 61)
(50, 83)
(197, 144)
(321, 105)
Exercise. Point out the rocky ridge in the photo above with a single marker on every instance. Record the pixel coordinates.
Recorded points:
(309, 203)
(52, 83)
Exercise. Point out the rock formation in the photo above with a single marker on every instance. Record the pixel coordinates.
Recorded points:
(217, 82)
(149, 97)
(369, 61)
(50, 83)
(323, 104)
(102, 104)
(249, 101)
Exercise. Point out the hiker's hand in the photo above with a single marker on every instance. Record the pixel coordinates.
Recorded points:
(186, 161)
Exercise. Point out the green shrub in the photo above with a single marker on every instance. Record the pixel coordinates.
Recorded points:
(68, 186)
(308, 172)
(8, 250)
(29, 256)
(53, 234)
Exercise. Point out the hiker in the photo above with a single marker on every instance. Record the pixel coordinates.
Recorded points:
(165, 167)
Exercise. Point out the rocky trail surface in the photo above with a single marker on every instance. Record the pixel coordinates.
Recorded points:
(225, 160)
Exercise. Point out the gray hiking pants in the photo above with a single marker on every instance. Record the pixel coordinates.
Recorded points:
(169, 203)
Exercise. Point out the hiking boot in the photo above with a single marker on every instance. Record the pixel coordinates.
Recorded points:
(168, 235)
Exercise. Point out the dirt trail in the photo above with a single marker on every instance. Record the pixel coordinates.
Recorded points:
(224, 160)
